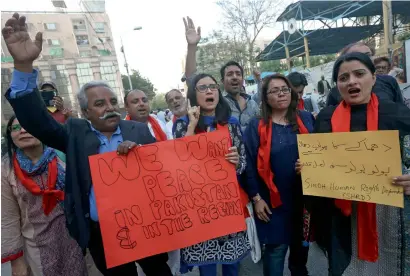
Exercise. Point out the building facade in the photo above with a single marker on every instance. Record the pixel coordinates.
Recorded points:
(77, 48)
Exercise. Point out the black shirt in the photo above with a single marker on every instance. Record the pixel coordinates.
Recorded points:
(386, 88)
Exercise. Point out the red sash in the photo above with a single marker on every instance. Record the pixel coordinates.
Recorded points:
(50, 195)
(301, 104)
(159, 133)
(367, 237)
(263, 162)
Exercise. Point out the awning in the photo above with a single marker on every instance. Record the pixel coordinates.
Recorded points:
(321, 42)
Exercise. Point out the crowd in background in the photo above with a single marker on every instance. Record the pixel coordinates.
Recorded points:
(49, 210)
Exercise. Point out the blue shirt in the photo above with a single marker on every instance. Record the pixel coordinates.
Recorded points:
(24, 83)
(105, 146)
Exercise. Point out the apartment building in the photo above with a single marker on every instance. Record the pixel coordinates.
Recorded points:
(77, 48)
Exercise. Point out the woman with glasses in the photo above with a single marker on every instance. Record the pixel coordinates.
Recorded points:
(272, 182)
(34, 237)
(208, 111)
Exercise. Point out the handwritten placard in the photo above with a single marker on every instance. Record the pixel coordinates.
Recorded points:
(166, 196)
(352, 165)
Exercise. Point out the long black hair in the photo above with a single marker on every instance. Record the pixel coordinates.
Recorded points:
(266, 109)
(222, 110)
(11, 147)
(362, 58)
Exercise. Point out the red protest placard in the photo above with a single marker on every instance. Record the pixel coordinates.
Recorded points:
(166, 196)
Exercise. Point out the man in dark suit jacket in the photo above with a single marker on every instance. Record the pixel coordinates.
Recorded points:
(103, 131)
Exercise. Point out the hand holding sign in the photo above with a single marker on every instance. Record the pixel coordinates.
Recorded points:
(352, 165)
(165, 196)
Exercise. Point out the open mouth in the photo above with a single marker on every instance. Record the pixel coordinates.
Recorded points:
(25, 138)
(210, 100)
(354, 91)
(177, 106)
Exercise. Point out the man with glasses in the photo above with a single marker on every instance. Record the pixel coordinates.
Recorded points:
(385, 87)
(382, 65)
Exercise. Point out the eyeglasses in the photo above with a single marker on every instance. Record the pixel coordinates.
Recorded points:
(203, 87)
(15, 128)
(276, 91)
(381, 68)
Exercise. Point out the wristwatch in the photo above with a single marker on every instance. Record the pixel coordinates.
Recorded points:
(256, 198)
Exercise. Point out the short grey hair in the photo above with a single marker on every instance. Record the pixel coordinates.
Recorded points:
(82, 94)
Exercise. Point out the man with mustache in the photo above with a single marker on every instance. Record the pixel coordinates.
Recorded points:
(178, 106)
(137, 106)
(102, 131)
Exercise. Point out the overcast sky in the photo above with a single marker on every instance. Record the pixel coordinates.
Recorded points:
(158, 49)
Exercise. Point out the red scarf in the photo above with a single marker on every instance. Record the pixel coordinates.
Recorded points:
(301, 104)
(50, 195)
(263, 162)
(174, 119)
(159, 133)
(243, 195)
(367, 237)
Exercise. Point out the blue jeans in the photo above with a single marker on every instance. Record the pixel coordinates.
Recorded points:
(227, 270)
(274, 259)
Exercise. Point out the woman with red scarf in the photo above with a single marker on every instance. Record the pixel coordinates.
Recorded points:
(34, 237)
(361, 238)
(208, 111)
(272, 182)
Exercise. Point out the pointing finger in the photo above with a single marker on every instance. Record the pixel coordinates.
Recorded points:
(189, 104)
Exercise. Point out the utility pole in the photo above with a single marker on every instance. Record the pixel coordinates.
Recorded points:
(126, 64)
(388, 23)
(125, 58)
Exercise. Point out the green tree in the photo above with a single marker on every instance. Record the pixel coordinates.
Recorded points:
(216, 50)
(272, 66)
(158, 102)
(139, 82)
(247, 18)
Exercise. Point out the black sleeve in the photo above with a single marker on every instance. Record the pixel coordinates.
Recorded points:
(33, 115)
(397, 91)
(403, 119)
(323, 120)
(333, 98)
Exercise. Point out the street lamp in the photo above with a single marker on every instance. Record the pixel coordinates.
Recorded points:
(125, 59)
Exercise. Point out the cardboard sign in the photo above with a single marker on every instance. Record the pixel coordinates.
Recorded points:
(356, 166)
(166, 196)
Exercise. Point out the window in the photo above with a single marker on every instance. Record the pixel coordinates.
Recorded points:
(84, 73)
(100, 27)
(101, 40)
(104, 53)
(50, 26)
(82, 39)
(53, 42)
(109, 74)
(6, 59)
(85, 53)
(57, 52)
(59, 75)
(79, 25)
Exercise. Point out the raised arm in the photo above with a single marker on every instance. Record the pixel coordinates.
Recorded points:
(23, 94)
(193, 36)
